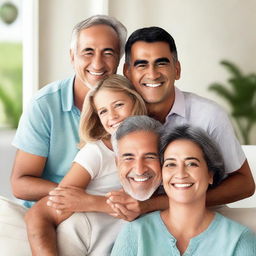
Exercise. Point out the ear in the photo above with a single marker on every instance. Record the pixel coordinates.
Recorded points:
(126, 70)
(211, 178)
(177, 70)
(71, 54)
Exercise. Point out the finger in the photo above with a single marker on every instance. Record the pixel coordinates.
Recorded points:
(116, 193)
(56, 199)
(56, 191)
(119, 213)
(121, 199)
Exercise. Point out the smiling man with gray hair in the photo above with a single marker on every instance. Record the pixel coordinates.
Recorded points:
(136, 145)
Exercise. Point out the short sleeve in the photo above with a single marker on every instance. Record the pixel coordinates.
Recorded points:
(124, 244)
(90, 158)
(246, 245)
(33, 133)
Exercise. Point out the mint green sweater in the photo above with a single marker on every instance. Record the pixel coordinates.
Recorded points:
(148, 236)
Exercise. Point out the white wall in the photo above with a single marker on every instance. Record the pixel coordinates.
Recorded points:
(206, 32)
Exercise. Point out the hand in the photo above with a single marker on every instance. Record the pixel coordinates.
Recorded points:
(124, 206)
(67, 199)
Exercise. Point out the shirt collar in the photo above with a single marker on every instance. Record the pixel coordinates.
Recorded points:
(178, 107)
(67, 94)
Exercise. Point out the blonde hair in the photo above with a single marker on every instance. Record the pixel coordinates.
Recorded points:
(90, 128)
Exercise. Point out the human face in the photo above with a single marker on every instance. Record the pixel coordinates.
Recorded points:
(112, 108)
(185, 173)
(152, 70)
(138, 164)
(96, 55)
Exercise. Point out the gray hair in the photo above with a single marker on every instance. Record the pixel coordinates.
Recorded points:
(100, 20)
(136, 124)
(197, 135)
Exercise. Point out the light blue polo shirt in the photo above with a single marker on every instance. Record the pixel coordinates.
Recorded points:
(49, 128)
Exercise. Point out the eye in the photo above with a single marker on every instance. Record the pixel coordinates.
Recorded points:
(88, 53)
(170, 165)
(109, 53)
(128, 158)
(152, 157)
(192, 164)
(102, 112)
(119, 104)
(160, 64)
(141, 66)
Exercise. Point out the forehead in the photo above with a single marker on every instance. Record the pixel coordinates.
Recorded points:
(183, 147)
(150, 51)
(98, 36)
(138, 143)
(105, 96)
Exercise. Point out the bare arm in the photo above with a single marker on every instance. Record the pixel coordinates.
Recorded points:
(26, 178)
(71, 196)
(41, 224)
(236, 186)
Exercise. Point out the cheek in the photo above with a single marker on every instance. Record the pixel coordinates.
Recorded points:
(166, 176)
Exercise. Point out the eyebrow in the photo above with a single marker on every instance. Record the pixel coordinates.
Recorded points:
(105, 49)
(146, 154)
(127, 154)
(187, 158)
(152, 153)
(162, 60)
(159, 60)
(138, 62)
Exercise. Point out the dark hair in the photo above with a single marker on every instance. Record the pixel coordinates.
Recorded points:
(197, 135)
(150, 35)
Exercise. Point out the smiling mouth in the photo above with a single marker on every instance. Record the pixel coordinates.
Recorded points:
(115, 125)
(152, 85)
(96, 73)
(142, 179)
(182, 185)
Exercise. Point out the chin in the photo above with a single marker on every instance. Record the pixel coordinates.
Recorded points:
(140, 195)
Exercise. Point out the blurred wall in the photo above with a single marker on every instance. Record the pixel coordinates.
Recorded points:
(205, 32)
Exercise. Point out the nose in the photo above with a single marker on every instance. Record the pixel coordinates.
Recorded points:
(97, 62)
(181, 172)
(153, 73)
(113, 114)
(140, 167)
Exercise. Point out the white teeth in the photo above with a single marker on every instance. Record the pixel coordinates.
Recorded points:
(96, 73)
(182, 185)
(141, 179)
(115, 125)
(153, 85)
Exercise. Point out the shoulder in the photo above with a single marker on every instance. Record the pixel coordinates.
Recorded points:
(53, 88)
(147, 221)
(193, 100)
(231, 226)
(92, 147)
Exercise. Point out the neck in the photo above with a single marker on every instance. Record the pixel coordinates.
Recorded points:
(108, 143)
(80, 91)
(186, 221)
(159, 111)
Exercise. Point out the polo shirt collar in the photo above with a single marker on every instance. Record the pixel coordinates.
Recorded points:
(67, 94)
(178, 107)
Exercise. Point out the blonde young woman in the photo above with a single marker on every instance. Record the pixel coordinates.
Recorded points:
(94, 170)
(191, 164)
